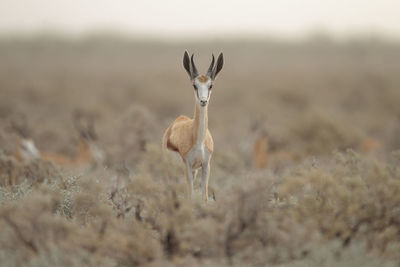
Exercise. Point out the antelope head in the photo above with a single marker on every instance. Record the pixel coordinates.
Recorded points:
(88, 137)
(25, 149)
(202, 84)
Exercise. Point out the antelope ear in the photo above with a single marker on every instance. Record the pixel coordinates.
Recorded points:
(218, 67)
(186, 64)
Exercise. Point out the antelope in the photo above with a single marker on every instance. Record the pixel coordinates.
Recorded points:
(264, 158)
(26, 151)
(370, 144)
(191, 137)
(88, 152)
(260, 148)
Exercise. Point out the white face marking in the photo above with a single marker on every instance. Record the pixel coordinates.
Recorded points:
(28, 149)
(203, 92)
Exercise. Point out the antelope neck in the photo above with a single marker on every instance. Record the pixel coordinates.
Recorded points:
(200, 124)
(84, 153)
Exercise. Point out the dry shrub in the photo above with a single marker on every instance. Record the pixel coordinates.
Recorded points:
(353, 199)
(36, 171)
(322, 133)
(8, 167)
(242, 222)
(34, 227)
(133, 131)
(287, 219)
(29, 227)
(333, 254)
(133, 211)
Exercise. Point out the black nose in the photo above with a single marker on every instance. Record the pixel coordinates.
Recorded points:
(203, 102)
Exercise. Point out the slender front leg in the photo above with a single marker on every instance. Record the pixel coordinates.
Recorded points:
(189, 179)
(194, 175)
(205, 173)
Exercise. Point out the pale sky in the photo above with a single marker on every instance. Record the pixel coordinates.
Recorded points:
(183, 18)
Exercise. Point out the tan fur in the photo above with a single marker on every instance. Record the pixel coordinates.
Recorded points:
(263, 158)
(370, 144)
(191, 137)
(181, 135)
(203, 78)
(83, 156)
(17, 154)
(260, 155)
(58, 159)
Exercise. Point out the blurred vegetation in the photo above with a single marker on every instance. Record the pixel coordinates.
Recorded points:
(336, 203)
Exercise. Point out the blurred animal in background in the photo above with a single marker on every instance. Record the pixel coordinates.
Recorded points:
(370, 145)
(25, 148)
(27, 161)
(88, 151)
(264, 156)
(260, 148)
(191, 137)
(25, 152)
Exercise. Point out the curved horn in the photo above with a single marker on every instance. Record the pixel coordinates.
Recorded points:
(210, 69)
(195, 73)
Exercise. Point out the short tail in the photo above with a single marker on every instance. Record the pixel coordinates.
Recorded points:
(165, 139)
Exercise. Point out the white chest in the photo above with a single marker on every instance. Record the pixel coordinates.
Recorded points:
(197, 155)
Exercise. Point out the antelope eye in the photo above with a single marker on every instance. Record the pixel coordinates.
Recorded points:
(210, 86)
(195, 87)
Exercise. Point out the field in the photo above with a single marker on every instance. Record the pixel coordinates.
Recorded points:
(332, 108)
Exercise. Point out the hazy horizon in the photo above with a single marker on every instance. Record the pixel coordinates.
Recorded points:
(183, 20)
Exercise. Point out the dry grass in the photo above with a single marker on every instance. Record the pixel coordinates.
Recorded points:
(334, 205)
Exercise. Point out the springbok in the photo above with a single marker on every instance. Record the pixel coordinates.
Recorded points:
(260, 148)
(191, 137)
(25, 150)
(370, 145)
(265, 157)
(88, 152)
